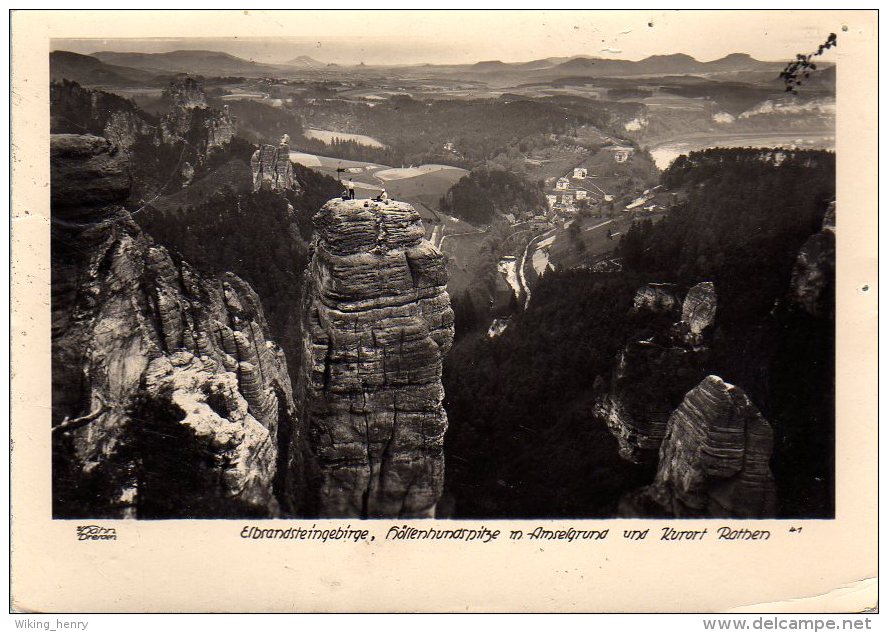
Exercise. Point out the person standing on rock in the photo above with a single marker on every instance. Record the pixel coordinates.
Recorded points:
(351, 189)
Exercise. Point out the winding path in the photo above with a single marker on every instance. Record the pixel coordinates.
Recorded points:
(521, 278)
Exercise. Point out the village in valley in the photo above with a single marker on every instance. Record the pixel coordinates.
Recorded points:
(588, 207)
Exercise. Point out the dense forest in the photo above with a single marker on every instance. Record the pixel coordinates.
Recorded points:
(465, 133)
(522, 440)
(262, 123)
(484, 193)
(747, 214)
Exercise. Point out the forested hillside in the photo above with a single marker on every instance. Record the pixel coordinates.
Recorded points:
(524, 399)
(484, 193)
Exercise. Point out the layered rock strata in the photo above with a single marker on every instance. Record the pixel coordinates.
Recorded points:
(272, 169)
(714, 460)
(653, 374)
(377, 323)
(168, 398)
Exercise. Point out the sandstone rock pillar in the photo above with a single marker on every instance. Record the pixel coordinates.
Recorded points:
(714, 460)
(377, 323)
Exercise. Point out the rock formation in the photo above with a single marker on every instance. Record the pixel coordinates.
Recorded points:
(221, 129)
(813, 276)
(698, 313)
(168, 399)
(377, 323)
(186, 93)
(657, 299)
(190, 117)
(272, 169)
(714, 460)
(74, 108)
(124, 128)
(652, 374)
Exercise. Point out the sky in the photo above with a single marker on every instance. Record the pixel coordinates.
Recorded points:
(409, 37)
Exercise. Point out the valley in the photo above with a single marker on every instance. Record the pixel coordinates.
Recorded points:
(572, 255)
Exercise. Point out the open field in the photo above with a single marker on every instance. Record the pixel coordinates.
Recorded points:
(422, 186)
(327, 136)
(331, 163)
(593, 234)
(411, 172)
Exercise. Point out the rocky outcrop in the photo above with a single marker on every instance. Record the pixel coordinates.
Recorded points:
(76, 109)
(698, 313)
(813, 276)
(185, 93)
(657, 299)
(377, 323)
(168, 399)
(191, 119)
(654, 373)
(124, 128)
(221, 129)
(272, 169)
(714, 460)
(87, 172)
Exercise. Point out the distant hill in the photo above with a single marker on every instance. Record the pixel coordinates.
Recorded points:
(738, 61)
(678, 64)
(89, 71)
(304, 61)
(538, 64)
(211, 63)
(493, 65)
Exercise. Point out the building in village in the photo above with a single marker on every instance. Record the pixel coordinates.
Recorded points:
(621, 153)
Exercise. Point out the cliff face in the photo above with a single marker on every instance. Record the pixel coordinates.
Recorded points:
(168, 400)
(73, 108)
(221, 129)
(190, 117)
(272, 169)
(652, 374)
(124, 128)
(813, 276)
(377, 323)
(714, 460)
